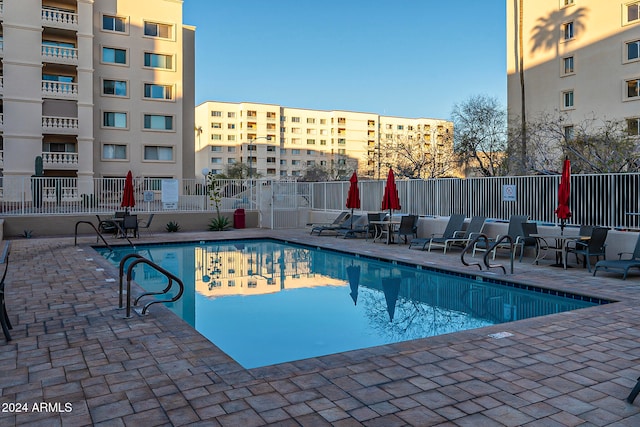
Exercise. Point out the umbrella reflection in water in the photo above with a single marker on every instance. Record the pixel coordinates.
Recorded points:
(353, 273)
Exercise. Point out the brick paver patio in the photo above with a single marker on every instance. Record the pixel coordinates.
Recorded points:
(74, 350)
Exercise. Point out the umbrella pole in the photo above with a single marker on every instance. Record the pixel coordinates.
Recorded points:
(351, 222)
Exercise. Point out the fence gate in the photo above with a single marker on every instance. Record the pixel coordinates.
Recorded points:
(279, 203)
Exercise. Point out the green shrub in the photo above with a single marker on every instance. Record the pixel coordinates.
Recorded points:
(219, 223)
(172, 227)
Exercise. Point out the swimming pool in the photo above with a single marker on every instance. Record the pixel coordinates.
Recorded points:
(265, 301)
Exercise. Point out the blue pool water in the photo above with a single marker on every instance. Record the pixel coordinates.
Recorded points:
(265, 302)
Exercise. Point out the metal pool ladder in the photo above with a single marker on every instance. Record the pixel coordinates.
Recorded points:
(487, 264)
(142, 260)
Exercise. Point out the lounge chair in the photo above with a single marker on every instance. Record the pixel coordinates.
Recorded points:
(514, 231)
(595, 246)
(346, 225)
(336, 222)
(460, 238)
(455, 224)
(622, 265)
(358, 227)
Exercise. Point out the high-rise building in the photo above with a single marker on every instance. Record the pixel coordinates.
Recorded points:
(96, 88)
(281, 142)
(581, 60)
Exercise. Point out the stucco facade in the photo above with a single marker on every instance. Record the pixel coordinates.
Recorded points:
(282, 142)
(580, 59)
(96, 88)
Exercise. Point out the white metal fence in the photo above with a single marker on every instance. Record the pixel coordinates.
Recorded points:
(605, 200)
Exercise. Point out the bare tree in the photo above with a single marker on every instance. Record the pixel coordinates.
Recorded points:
(480, 137)
(417, 154)
(593, 145)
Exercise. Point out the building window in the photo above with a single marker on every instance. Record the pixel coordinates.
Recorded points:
(633, 50)
(154, 29)
(295, 162)
(232, 161)
(633, 126)
(567, 99)
(568, 133)
(114, 152)
(216, 114)
(231, 137)
(216, 137)
(295, 151)
(231, 125)
(216, 125)
(231, 149)
(158, 153)
(283, 162)
(231, 114)
(112, 119)
(114, 87)
(311, 120)
(216, 148)
(567, 65)
(216, 160)
(156, 122)
(114, 23)
(633, 12)
(157, 91)
(565, 3)
(157, 60)
(114, 56)
(567, 31)
(295, 119)
(633, 88)
(311, 141)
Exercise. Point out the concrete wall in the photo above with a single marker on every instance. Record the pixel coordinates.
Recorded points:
(65, 225)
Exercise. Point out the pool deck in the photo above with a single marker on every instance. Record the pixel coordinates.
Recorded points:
(72, 345)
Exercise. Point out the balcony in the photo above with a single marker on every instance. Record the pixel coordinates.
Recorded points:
(60, 125)
(57, 18)
(51, 160)
(60, 54)
(1, 121)
(1, 85)
(1, 158)
(59, 90)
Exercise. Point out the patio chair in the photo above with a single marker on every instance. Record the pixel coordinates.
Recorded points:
(595, 246)
(346, 225)
(460, 238)
(4, 318)
(344, 216)
(514, 231)
(130, 224)
(455, 224)
(145, 224)
(372, 228)
(622, 265)
(408, 227)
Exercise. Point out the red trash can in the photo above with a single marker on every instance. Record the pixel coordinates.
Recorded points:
(238, 218)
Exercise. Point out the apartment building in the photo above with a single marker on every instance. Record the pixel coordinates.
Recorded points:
(282, 142)
(581, 58)
(96, 88)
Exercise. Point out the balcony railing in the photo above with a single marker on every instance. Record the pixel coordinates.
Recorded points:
(52, 160)
(1, 158)
(53, 89)
(59, 19)
(60, 54)
(1, 120)
(1, 84)
(66, 125)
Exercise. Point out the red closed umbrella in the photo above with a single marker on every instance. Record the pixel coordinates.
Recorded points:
(128, 200)
(390, 199)
(564, 191)
(353, 197)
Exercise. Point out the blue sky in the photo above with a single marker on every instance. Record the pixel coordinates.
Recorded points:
(408, 58)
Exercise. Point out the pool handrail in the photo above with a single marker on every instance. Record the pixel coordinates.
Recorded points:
(140, 259)
(75, 239)
(482, 236)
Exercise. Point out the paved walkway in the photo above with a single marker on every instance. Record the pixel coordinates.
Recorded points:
(73, 351)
